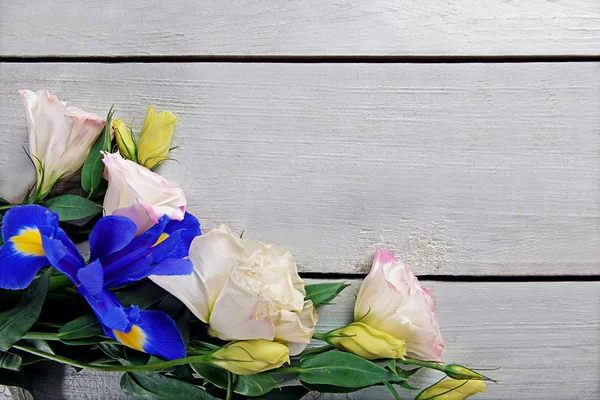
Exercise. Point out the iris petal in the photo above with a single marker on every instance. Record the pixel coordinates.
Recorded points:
(25, 230)
(173, 266)
(132, 272)
(61, 258)
(31, 216)
(92, 278)
(161, 337)
(110, 312)
(109, 235)
(16, 270)
(189, 228)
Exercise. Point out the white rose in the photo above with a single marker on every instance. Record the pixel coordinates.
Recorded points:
(245, 289)
(139, 194)
(60, 137)
(392, 300)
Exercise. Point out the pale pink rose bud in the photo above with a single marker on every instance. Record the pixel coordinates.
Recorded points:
(139, 194)
(60, 137)
(392, 300)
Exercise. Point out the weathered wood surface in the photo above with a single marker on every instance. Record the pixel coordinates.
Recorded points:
(462, 169)
(233, 27)
(544, 336)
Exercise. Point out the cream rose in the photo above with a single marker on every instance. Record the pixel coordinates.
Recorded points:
(139, 194)
(60, 137)
(392, 300)
(245, 289)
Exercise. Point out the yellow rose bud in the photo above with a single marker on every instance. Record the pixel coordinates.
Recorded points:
(248, 357)
(452, 389)
(155, 138)
(456, 371)
(367, 342)
(125, 141)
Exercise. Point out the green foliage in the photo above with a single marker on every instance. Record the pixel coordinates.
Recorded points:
(339, 369)
(71, 208)
(83, 327)
(247, 385)
(154, 386)
(10, 361)
(93, 168)
(323, 293)
(15, 322)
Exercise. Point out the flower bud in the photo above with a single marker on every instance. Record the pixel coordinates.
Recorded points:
(451, 389)
(155, 138)
(456, 371)
(251, 356)
(125, 140)
(367, 342)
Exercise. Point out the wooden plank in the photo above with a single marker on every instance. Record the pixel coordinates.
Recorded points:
(545, 336)
(462, 169)
(233, 27)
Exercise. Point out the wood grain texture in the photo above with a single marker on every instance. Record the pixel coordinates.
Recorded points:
(233, 27)
(545, 336)
(462, 169)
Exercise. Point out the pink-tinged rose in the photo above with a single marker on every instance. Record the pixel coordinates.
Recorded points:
(60, 137)
(139, 194)
(244, 290)
(392, 300)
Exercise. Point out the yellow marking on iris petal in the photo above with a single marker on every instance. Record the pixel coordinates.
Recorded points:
(163, 236)
(29, 242)
(134, 339)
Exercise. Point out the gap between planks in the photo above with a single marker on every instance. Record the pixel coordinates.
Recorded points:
(306, 59)
(466, 278)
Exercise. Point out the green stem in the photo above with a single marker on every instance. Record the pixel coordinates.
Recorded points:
(7, 207)
(426, 364)
(229, 385)
(110, 368)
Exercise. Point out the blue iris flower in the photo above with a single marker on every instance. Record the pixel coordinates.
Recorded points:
(34, 240)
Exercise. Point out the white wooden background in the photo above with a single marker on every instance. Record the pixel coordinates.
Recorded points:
(484, 176)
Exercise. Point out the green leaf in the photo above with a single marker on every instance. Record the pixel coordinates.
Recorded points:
(143, 295)
(15, 322)
(82, 327)
(314, 351)
(214, 375)
(93, 168)
(406, 373)
(320, 293)
(392, 390)
(254, 385)
(248, 385)
(331, 388)
(154, 386)
(113, 351)
(10, 361)
(70, 207)
(38, 344)
(337, 368)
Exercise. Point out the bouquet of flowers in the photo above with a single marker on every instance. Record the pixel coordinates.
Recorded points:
(119, 277)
